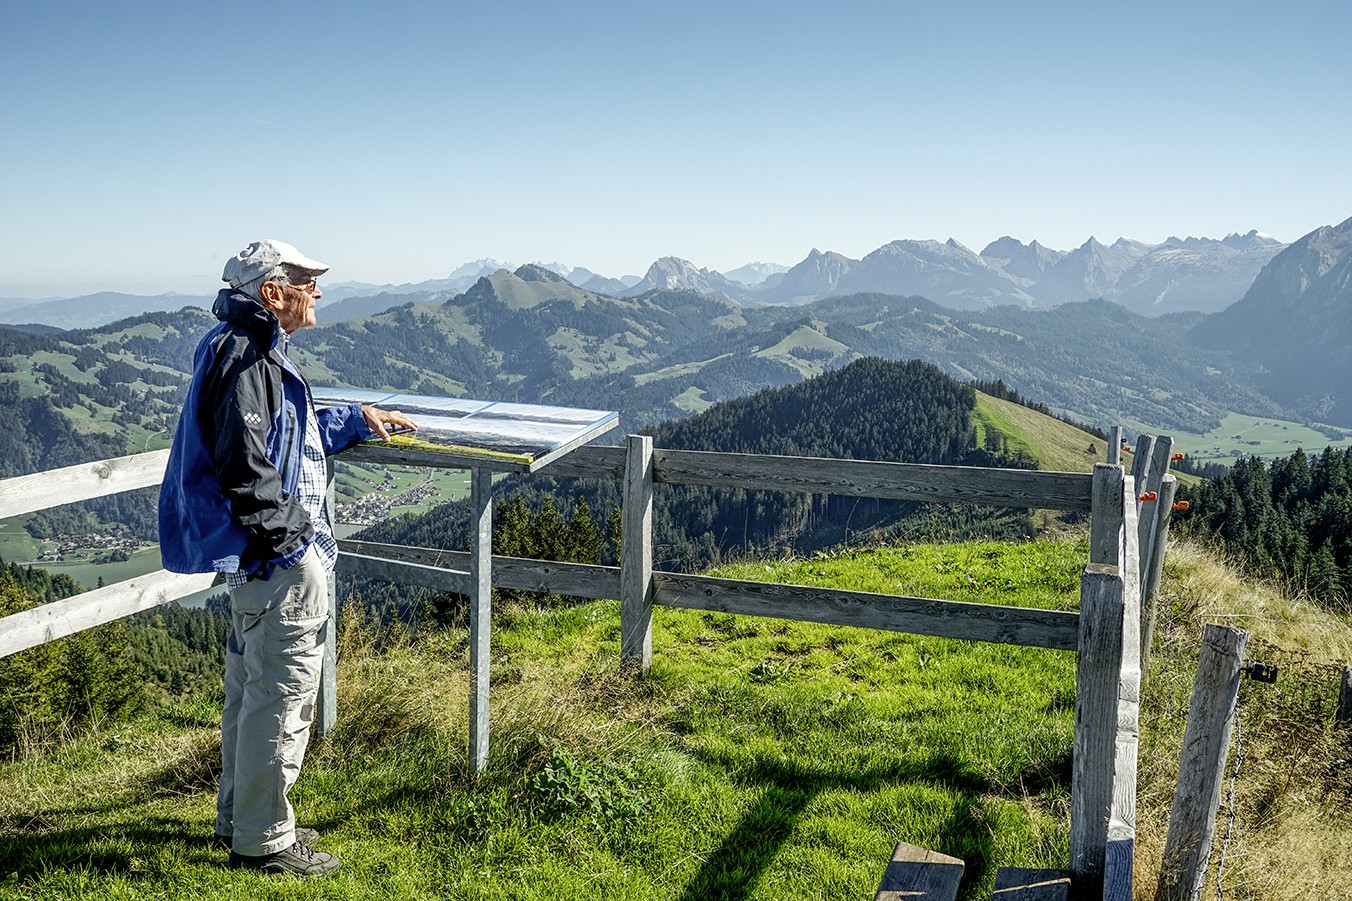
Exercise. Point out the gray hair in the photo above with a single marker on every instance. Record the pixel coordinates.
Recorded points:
(282, 272)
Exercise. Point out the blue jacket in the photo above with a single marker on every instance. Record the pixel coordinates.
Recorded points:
(228, 501)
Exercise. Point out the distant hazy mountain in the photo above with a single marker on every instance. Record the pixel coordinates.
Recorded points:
(1090, 270)
(579, 275)
(948, 274)
(457, 281)
(753, 274)
(1296, 321)
(1024, 263)
(815, 277)
(602, 285)
(1194, 274)
(97, 309)
(675, 274)
(1179, 275)
(363, 307)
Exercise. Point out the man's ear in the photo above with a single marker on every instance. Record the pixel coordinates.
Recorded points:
(271, 295)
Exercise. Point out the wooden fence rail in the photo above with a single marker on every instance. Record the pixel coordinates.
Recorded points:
(1105, 632)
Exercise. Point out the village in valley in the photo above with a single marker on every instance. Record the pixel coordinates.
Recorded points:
(377, 500)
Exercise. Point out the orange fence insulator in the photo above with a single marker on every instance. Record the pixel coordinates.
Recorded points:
(1149, 496)
(1181, 505)
(1176, 457)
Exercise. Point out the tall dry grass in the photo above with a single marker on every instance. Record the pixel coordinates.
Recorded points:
(1284, 824)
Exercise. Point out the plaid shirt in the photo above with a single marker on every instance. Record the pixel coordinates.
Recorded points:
(312, 491)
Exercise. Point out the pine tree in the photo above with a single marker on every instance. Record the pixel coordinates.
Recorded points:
(584, 538)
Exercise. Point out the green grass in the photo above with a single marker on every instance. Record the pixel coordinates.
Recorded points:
(1055, 445)
(758, 759)
(82, 569)
(1241, 435)
(16, 545)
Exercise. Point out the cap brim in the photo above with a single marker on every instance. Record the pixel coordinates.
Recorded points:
(305, 264)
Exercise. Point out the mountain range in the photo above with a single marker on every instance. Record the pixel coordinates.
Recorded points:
(1179, 275)
(533, 336)
(1295, 322)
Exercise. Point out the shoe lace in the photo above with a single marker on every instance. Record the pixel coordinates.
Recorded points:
(301, 849)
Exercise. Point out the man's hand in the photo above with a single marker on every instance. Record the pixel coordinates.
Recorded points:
(383, 422)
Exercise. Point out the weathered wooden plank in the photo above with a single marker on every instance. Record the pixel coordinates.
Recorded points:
(1105, 528)
(41, 490)
(389, 569)
(1149, 597)
(1115, 445)
(1118, 860)
(864, 478)
(1343, 715)
(1131, 559)
(1143, 459)
(636, 561)
(1019, 884)
(1121, 836)
(1201, 771)
(387, 455)
(57, 619)
(1151, 511)
(1055, 629)
(591, 461)
(582, 580)
(1096, 721)
(918, 874)
(480, 614)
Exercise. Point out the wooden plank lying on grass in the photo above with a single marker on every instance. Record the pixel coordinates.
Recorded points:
(918, 874)
(1019, 884)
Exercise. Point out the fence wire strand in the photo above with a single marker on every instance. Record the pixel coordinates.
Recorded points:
(1230, 803)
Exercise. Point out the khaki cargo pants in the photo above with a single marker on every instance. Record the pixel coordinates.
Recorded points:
(272, 663)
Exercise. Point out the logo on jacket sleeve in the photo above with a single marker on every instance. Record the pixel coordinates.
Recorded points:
(253, 418)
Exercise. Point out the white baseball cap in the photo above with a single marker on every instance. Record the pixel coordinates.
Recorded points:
(261, 257)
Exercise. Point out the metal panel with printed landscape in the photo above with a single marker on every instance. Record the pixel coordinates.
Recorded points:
(501, 436)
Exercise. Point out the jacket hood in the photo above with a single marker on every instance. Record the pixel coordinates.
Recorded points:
(242, 310)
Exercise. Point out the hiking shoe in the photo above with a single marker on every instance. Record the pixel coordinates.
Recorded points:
(299, 860)
(304, 835)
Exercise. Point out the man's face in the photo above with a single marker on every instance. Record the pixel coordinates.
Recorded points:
(292, 303)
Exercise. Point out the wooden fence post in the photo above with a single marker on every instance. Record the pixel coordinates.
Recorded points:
(1106, 515)
(1115, 445)
(636, 555)
(1143, 460)
(1206, 743)
(1343, 716)
(1155, 571)
(1096, 695)
(480, 613)
(1161, 450)
(326, 711)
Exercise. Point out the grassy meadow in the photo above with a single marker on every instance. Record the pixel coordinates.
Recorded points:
(1263, 436)
(758, 759)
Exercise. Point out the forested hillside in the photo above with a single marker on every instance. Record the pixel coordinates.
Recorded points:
(869, 410)
(1290, 520)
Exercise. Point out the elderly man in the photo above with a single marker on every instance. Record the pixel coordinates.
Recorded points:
(244, 495)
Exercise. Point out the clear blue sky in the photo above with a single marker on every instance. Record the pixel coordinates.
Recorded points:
(143, 142)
